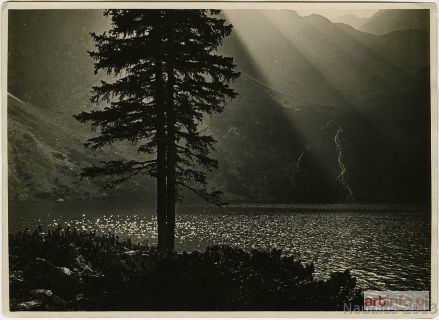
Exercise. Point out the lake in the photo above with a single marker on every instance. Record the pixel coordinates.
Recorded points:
(386, 247)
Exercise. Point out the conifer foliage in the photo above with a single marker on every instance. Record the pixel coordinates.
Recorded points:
(168, 76)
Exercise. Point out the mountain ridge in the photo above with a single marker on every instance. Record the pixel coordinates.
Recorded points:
(386, 21)
(293, 83)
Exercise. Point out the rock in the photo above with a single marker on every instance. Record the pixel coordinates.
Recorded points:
(87, 271)
(42, 294)
(79, 297)
(33, 305)
(92, 280)
(81, 263)
(57, 301)
(58, 304)
(16, 275)
(38, 271)
(44, 274)
(16, 283)
(65, 271)
(131, 253)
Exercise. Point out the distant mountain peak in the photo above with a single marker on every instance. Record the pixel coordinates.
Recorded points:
(351, 19)
(386, 21)
(317, 18)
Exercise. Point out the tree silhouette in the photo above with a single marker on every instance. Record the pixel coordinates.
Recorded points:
(168, 77)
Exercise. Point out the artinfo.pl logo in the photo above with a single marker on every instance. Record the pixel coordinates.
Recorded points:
(396, 300)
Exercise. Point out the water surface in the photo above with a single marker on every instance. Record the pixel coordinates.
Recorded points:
(385, 247)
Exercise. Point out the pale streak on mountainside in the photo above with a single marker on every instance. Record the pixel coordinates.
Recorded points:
(341, 176)
(302, 154)
(14, 97)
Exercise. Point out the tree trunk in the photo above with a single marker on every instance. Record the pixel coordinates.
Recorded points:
(171, 151)
(171, 179)
(161, 159)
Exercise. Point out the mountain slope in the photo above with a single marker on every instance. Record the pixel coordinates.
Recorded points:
(323, 110)
(351, 19)
(317, 61)
(48, 63)
(386, 21)
(45, 157)
(277, 139)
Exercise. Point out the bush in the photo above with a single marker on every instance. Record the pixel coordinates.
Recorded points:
(87, 271)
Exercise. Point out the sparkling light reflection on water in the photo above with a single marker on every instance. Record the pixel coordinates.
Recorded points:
(385, 248)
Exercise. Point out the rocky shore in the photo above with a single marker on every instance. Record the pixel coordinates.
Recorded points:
(68, 270)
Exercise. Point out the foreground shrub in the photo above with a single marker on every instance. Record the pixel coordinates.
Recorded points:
(64, 269)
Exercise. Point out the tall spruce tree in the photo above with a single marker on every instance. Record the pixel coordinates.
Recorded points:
(168, 77)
